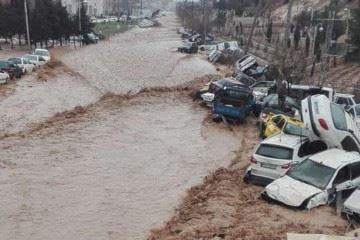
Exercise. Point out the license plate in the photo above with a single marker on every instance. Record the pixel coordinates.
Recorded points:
(267, 165)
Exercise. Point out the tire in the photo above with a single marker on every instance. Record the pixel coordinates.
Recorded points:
(247, 178)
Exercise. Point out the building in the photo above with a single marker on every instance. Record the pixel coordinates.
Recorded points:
(94, 7)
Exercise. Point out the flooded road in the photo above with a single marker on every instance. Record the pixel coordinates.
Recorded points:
(120, 168)
(113, 175)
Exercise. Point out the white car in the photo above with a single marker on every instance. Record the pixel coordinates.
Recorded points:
(315, 181)
(43, 53)
(328, 122)
(354, 111)
(37, 60)
(23, 63)
(274, 157)
(352, 205)
(345, 100)
(4, 77)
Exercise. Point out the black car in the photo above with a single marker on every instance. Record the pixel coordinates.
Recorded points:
(89, 38)
(272, 101)
(189, 47)
(11, 68)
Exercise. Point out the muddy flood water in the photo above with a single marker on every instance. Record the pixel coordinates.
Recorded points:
(115, 172)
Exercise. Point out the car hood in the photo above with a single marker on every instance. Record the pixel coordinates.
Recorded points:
(290, 191)
(353, 202)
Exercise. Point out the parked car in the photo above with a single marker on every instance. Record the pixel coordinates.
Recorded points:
(328, 122)
(189, 47)
(274, 156)
(89, 38)
(37, 60)
(345, 100)
(4, 77)
(352, 206)
(23, 63)
(12, 69)
(233, 103)
(279, 123)
(315, 181)
(271, 101)
(44, 53)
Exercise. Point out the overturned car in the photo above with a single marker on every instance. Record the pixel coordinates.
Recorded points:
(330, 123)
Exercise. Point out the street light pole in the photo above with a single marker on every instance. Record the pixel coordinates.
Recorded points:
(27, 24)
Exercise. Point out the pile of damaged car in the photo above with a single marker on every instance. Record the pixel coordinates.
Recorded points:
(309, 160)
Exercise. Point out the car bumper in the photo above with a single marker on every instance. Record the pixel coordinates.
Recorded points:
(250, 177)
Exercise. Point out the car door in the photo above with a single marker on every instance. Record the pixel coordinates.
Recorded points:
(355, 174)
(272, 125)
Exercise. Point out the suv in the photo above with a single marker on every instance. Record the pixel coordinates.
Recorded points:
(274, 157)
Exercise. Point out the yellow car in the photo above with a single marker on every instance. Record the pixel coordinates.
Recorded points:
(276, 123)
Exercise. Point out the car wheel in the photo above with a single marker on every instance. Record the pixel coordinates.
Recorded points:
(247, 178)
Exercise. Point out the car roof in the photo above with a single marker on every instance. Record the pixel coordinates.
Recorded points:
(335, 158)
(41, 49)
(343, 95)
(285, 140)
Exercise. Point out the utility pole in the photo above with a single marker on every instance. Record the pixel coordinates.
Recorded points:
(192, 16)
(27, 24)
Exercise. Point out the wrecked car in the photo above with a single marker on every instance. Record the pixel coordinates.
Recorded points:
(345, 100)
(233, 103)
(188, 47)
(276, 123)
(274, 157)
(330, 123)
(263, 88)
(316, 180)
(245, 63)
(290, 107)
(352, 206)
(258, 72)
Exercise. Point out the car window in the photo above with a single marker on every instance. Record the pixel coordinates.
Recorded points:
(261, 84)
(349, 144)
(274, 151)
(338, 116)
(313, 173)
(281, 124)
(355, 170)
(292, 129)
(342, 176)
(357, 110)
(342, 101)
(277, 119)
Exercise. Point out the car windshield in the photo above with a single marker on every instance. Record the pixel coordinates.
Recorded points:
(312, 173)
(188, 44)
(15, 60)
(293, 129)
(274, 151)
(31, 57)
(42, 53)
(4, 64)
